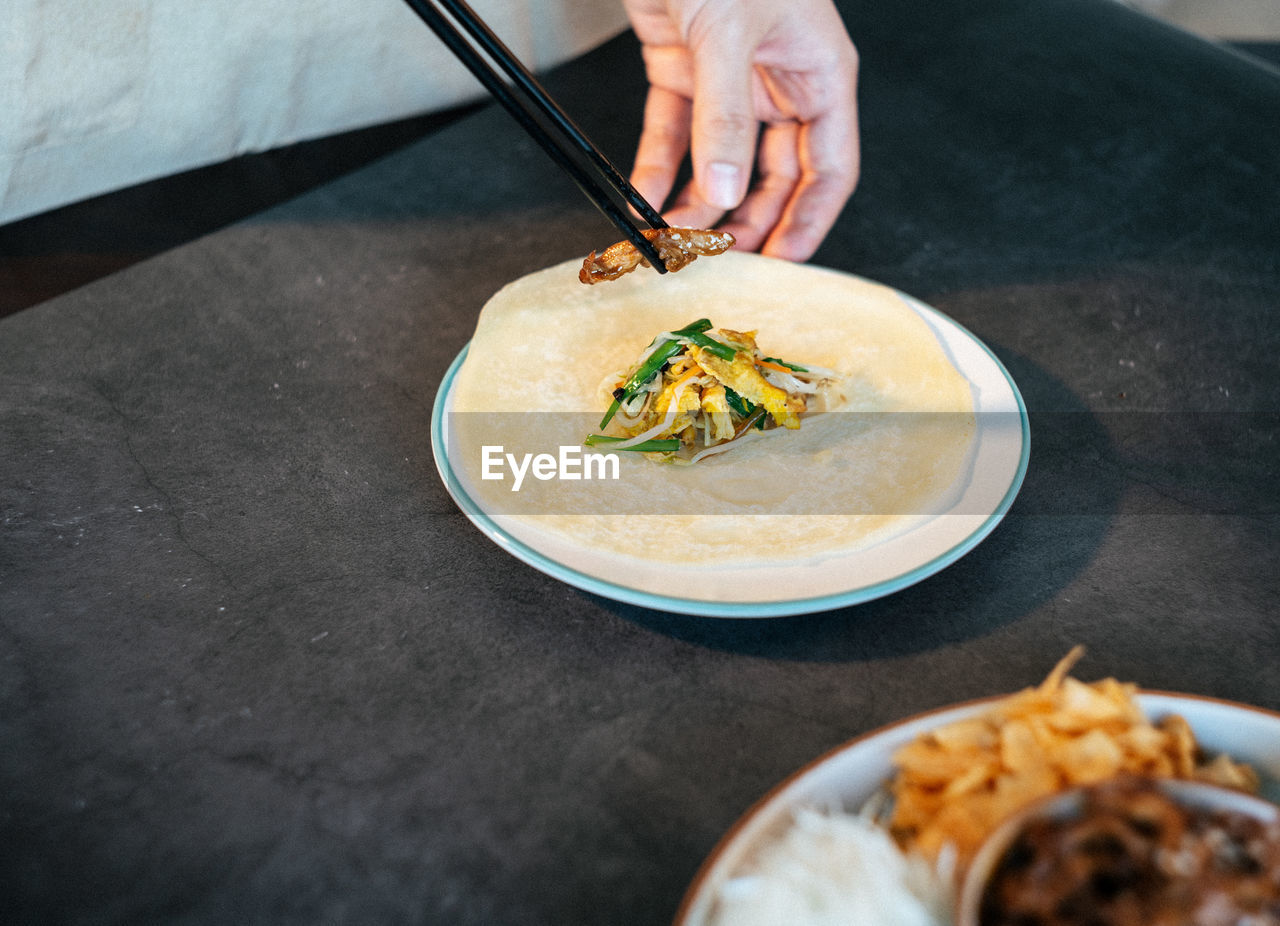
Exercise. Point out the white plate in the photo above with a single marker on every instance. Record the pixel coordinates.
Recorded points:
(851, 774)
(983, 493)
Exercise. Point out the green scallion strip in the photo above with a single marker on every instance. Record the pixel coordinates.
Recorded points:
(645, 372)
(648, 446)
(741, 407)
(653, 364)
(789, 366)
(744, 408)
(723, 351)
(701, 325)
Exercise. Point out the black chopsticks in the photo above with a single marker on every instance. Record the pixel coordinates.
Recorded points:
(530, 106)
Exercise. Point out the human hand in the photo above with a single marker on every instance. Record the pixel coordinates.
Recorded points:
(719, 68)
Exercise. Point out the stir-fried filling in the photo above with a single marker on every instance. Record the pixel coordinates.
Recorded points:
(696, 392)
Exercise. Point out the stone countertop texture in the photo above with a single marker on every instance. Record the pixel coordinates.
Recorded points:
(255, 665)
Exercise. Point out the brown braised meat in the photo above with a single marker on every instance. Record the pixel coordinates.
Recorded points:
(1135, 857)
(677, 247)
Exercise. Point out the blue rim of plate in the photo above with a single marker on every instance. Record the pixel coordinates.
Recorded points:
(730, 609)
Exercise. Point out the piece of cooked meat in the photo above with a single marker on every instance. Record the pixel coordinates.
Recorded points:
(678, 247)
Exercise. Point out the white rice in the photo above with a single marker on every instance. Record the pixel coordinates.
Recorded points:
(836, 868)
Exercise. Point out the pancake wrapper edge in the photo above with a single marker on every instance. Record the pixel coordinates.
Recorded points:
(885, 457)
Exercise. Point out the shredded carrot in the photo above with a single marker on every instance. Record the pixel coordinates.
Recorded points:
(769, 364)
(685, 377)
(677, 391)
(682, 364)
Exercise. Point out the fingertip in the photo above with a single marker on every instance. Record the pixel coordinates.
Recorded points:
(652, 184)
(794, 243)
(724, 186)
(689, 212)
(789, 248)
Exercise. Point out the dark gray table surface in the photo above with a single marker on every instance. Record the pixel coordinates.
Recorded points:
(255, 665)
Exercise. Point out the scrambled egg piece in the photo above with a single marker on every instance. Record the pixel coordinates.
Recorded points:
(686, 411)
(716, 404)
(741, 375)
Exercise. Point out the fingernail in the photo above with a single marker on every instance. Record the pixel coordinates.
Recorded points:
(723, 183)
